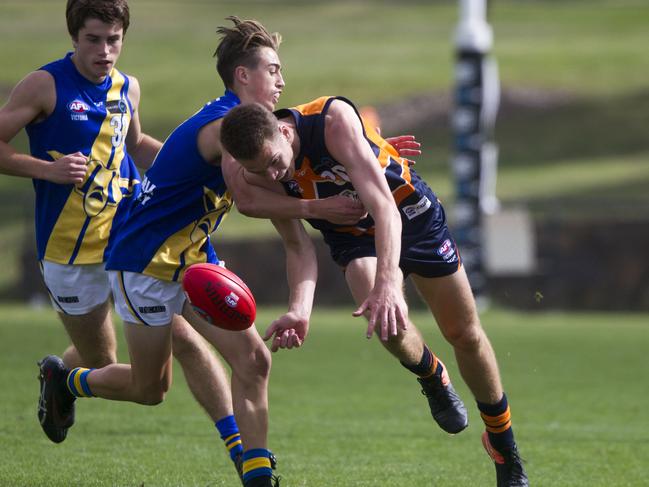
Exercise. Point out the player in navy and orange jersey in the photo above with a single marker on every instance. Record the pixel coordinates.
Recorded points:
(81, 116)
(323, 148)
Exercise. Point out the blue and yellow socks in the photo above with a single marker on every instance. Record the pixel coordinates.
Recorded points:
(256, 466)
(77, 382)
(497, 419)
(229, 432)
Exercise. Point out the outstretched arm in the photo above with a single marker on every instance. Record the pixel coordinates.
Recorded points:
(345, 141)
(290, 330)
(256, 197)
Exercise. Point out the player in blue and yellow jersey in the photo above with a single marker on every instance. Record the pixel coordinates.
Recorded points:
(81, 116)
(167, 227)
(182, 201)
(323, 148)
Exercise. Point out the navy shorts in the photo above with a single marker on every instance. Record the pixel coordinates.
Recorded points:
(427, 246)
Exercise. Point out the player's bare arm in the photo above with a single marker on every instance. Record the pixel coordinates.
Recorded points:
(256, 197)
(345, 141)
(142, 147)
(290, 330)
(32, 100)
(209, 142)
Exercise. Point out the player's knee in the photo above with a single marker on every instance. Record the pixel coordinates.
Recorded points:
(261, 362)
(101, 359)
(255, 366)
(184, 342)
(467, 336)
(152, 394)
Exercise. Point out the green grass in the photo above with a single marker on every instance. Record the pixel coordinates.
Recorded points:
(344, 414)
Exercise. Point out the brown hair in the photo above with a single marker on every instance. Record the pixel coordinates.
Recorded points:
(245, 129)
(239, 46)
(108, 11)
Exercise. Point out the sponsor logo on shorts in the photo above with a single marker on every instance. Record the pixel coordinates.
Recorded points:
(411, 211)
(152, 309)
(232, 300)
(67, 299)
(78, 110)
(446, 251)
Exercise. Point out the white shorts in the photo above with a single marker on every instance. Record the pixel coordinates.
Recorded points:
(144, 299)
(75, 289)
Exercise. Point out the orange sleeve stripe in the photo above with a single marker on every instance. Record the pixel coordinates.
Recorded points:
(313, 107)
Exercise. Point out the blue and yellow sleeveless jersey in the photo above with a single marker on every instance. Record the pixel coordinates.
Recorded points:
(74, 223)
(319, 175)
(183, 200)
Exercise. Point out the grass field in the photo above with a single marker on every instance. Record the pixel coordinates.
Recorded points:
(343, 414)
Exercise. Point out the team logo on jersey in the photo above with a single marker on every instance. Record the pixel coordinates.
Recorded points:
(446, 251)
(231, 300)
(78, 110)
(103, 186)
(116, 106)
(335, 173)
(215, 208)
(100, 189)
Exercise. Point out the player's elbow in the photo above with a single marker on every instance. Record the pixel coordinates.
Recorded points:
(248, 207)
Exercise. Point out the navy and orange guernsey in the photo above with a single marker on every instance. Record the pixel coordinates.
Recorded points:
(75, 223)
(319, 175)
(183, 200)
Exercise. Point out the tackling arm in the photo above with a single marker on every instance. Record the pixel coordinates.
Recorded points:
(290, 330)
(256, 197)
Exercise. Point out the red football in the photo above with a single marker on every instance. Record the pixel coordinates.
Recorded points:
(219, 296)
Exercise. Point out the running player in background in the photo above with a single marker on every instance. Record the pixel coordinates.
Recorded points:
(81, 116)
(321, 149)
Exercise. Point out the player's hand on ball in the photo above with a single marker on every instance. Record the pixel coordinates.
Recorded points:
(288, 331)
